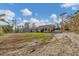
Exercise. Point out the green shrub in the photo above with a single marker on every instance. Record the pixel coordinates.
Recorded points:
(1, 33)
(7, 29)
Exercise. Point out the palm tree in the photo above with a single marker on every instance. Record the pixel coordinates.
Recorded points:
(65, 21)
(64, 16)
(77, 12)
(5, 28)
(3, 15)
(75, 21)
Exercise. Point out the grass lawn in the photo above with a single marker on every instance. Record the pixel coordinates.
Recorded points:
(18, 39)
(38, 36)
(35, 36)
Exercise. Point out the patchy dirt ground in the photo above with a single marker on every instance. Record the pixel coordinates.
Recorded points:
(62, 44)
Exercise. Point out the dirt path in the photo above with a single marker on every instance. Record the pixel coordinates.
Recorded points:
(61, 44)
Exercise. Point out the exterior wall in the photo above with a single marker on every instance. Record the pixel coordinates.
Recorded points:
(45, 28)
(29, 27)
(19, 29)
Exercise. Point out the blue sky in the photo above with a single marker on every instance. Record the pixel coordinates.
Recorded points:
(38, 12)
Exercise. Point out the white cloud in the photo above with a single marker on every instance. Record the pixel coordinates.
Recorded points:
(3, 23)
(74, 8)
(54, 16)
(22, 22)
(26, 12)
(69, 4)
(45, 22)
(39, 22)
(8, 14)
(34, 20)
(55, 19)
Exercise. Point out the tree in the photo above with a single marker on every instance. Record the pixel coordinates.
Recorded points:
(65, 21)
(5, 28)
(77, 12)
(74, 23)
(1, 19)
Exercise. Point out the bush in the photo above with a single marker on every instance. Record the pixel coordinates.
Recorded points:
(71, 25)
(74, 23)
(65, 26)
(1, 33)
(7, 28)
